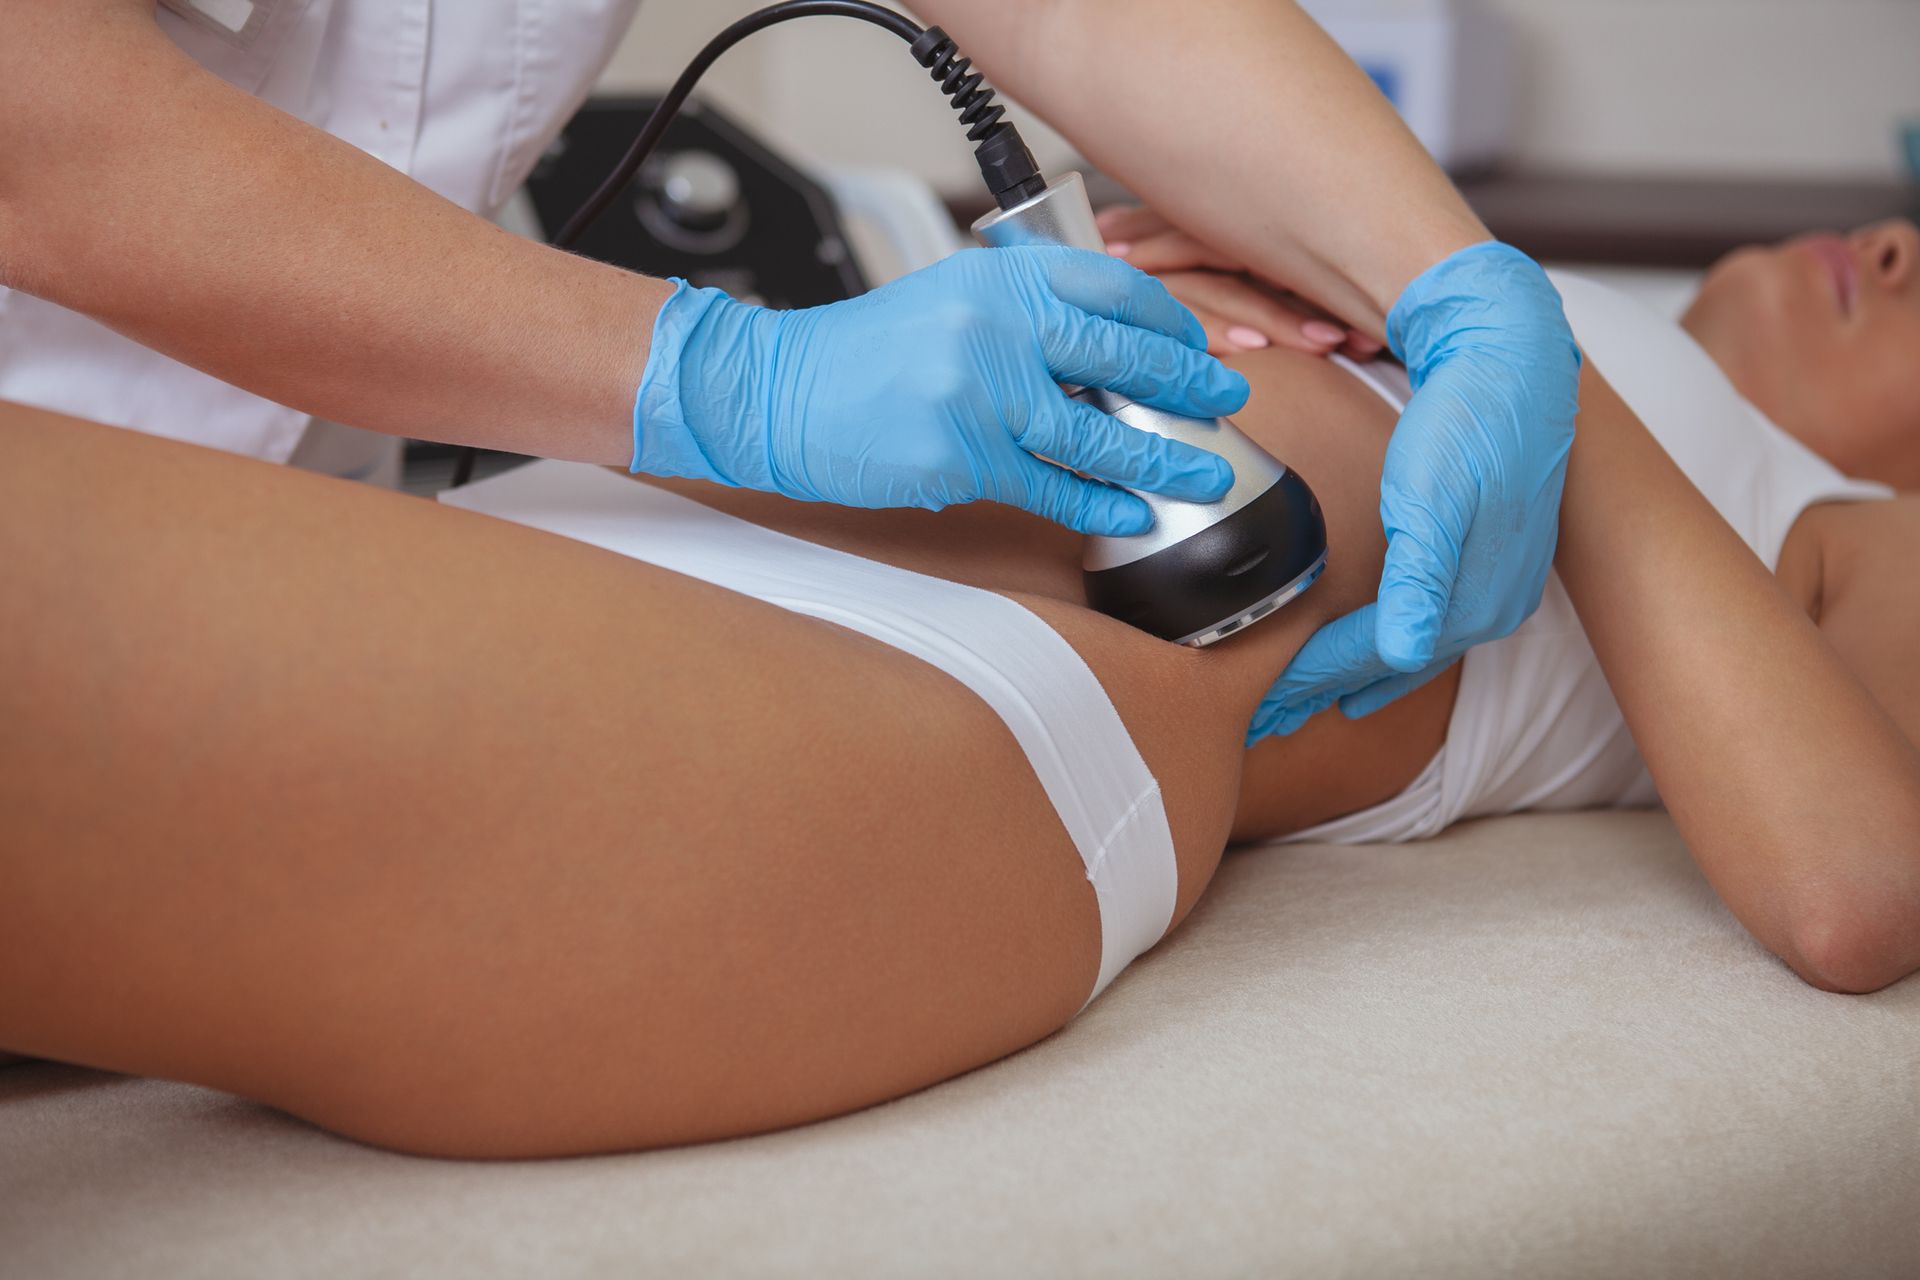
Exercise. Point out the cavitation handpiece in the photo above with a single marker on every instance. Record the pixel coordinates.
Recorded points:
(1204, 570)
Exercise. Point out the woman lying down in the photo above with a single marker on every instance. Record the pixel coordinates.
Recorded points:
(518, 846)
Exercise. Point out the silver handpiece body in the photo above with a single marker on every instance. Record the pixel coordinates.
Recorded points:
(1062, 215)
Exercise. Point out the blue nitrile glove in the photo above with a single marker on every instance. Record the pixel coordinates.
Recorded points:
(1469, 495)
(941, 388)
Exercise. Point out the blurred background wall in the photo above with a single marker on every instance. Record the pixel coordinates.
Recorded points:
(1786, 88)
(1772, 88)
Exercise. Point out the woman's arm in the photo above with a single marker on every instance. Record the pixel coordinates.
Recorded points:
(1174, 99)
(142, 190)
(1797, 794)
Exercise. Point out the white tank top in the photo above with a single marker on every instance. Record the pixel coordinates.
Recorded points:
(463, 95)
(1534, 725)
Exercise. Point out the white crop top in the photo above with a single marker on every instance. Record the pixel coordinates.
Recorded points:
(1534, 725)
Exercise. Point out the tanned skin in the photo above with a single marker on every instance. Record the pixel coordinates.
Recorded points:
(382, 839)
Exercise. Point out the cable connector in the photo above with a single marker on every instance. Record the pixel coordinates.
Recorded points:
(1005, 163)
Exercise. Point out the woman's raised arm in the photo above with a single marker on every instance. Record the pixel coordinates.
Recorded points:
(1797, 794)
(1242, 122)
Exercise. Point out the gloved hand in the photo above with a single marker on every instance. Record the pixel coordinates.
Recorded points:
(940, 388)
(1469, 495)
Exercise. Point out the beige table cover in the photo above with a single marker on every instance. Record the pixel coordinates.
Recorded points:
(1537, 1046)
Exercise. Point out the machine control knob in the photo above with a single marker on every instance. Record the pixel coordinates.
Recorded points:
(697, 190)
(690, 201)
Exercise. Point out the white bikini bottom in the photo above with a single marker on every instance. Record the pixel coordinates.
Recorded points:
(1074, 739)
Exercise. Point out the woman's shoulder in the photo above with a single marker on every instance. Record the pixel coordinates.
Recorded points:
(1852, 551)
(1858, 582)
(1867, 533)
(1756, 476)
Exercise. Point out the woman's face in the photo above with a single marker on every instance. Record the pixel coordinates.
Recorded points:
(1822, 334)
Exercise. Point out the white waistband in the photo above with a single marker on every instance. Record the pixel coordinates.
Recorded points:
(1038, 685)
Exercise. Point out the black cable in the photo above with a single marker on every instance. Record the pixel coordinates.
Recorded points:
(1004, 160)
(663, 114)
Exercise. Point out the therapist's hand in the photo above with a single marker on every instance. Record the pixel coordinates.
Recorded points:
(940, 388)
(1470, 492)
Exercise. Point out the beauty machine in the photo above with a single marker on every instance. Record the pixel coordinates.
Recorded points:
(1204, 570)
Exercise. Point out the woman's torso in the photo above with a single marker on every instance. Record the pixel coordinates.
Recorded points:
(1534, 725)
(1525, 722)
(463, 95)
(1320, 420)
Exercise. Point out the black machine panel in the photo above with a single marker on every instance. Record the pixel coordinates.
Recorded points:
(712, 205)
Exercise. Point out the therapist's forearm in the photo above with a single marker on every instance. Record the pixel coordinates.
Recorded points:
(1242, 122)
(146, 193)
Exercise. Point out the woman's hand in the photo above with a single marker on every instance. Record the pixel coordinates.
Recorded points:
(1239, 311)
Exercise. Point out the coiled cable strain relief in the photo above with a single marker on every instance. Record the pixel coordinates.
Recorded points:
(1005, 162)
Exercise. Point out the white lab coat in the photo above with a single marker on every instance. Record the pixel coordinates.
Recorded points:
(463, 95)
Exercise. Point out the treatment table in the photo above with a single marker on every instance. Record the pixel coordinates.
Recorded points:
(1537, 1046)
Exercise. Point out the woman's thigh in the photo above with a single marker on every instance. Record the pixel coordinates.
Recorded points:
(439, 831)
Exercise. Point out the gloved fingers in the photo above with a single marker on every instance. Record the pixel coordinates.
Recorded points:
(1218, 328)
(1416, 584)
(1279, 721)
(1380, 693)
(1086, 506)
(1093, 284)
(1080, 436)
(1338, 659)
(1224, 336)
(1143, 367)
